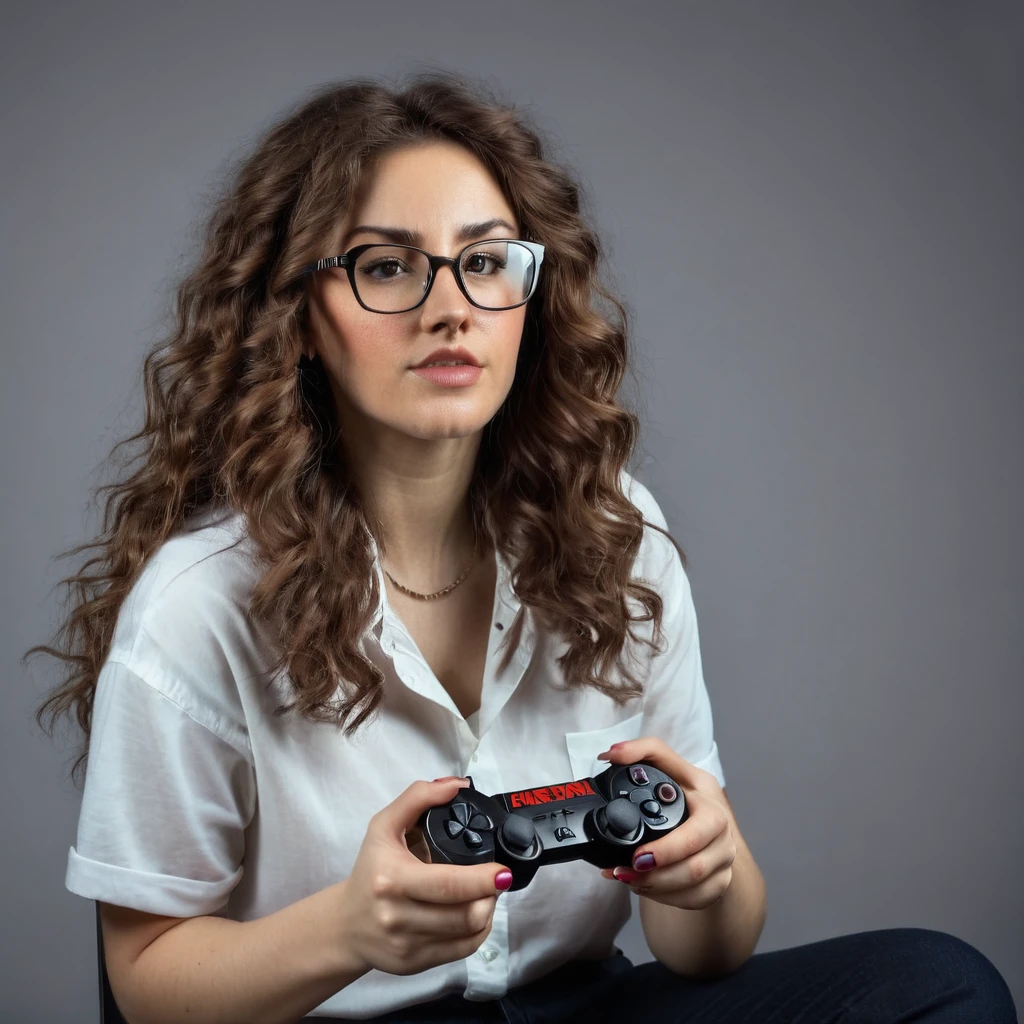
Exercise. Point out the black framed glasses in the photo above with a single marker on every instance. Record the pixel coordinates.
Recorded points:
(497, 273)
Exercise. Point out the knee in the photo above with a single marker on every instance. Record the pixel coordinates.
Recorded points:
(956, 965)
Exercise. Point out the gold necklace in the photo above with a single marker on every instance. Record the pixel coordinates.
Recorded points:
(450, 587)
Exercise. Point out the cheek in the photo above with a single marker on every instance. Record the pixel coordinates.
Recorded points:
(506, 352)
(360, 354)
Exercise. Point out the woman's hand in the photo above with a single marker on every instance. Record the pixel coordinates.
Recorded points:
(401, 915)
(691, 867)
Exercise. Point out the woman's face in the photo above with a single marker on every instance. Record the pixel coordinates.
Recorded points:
(433, 189)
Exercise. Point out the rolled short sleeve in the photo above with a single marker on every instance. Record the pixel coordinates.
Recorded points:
(165, 804)
(677, 708)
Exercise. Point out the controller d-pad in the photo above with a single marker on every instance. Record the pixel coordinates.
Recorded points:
(468, 822)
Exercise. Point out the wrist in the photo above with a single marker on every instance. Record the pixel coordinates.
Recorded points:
(348, 960)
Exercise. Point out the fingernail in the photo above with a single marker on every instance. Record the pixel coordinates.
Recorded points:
(451, 778)
(625, 875)
(644, 862)
(503, 880)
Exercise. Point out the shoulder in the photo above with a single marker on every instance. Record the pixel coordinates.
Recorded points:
(657, 558)
(640, 496)
(211, 555)
(194, 589)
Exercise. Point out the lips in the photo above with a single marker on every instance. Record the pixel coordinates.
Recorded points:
(449, 355)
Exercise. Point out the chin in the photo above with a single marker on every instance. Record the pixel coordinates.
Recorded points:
(444, 423)
(442, 432)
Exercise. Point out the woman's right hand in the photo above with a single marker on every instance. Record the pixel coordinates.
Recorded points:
(401, 915)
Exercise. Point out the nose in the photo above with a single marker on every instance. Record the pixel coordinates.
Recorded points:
(450, 271)
(445, 292)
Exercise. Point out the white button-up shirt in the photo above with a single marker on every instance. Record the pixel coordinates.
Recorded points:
(198, 800)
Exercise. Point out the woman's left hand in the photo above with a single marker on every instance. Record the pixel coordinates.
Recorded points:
(691, 866)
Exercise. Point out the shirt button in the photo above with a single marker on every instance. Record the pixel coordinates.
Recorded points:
(488, 953)
(475, 757)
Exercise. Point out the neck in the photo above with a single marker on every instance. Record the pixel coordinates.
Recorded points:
(418, 493)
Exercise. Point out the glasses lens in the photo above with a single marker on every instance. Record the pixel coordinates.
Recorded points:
(498, 274)
(392, 278)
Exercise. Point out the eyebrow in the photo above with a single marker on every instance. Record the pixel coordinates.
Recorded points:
(404, 236)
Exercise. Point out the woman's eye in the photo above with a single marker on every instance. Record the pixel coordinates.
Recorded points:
(391, 264)
(474, 262)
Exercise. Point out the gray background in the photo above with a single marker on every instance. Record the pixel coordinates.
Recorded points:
(815, 213)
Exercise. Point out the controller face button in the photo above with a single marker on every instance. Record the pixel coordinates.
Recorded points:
(651, 808)
(453, 828)
(473, 839)
(481, 821)
(638, 775)
(461, 813)
(666, 793)
(658, 821)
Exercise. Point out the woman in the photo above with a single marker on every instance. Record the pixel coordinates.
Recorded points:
(344, 568)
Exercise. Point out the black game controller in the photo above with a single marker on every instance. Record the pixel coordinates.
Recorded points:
(601, 820)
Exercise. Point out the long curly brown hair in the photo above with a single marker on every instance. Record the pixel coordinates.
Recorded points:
(238, 420)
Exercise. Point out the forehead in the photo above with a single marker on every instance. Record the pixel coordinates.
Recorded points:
(433, 188)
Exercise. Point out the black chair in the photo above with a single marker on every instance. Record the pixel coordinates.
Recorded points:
(109, 1013)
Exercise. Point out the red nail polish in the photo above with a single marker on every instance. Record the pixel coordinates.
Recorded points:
(644, 862)
(625, 875)
(503, 880)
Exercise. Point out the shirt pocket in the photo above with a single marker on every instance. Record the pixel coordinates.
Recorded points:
(583, 747)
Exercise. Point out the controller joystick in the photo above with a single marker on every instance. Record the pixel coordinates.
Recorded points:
(601, 820)
(518, 835)
(620, 819)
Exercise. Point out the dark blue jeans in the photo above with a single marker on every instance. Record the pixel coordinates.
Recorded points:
(876, 977)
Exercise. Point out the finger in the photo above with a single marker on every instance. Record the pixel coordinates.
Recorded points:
(442, 921)
(404, 811)
(706, 822)
(656, 752)
(697, 897)
(685, 874)
(440, 883)
(703, 827)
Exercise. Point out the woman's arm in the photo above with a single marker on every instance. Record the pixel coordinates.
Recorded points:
(714, 941)
(273, 970)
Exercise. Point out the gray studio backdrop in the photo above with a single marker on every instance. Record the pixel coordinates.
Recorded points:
(814, 212)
